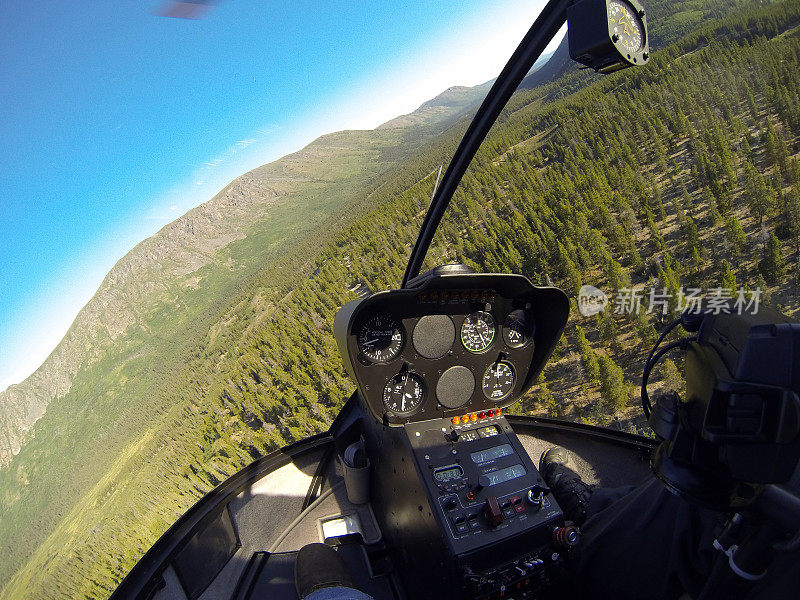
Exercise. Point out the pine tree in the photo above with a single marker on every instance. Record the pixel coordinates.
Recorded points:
(775, 149)
(644, 329)
(735, 236)
(614, 389)
(728, 281)
(772, 265)
(608, 330)
(588, 356)
(760, 197)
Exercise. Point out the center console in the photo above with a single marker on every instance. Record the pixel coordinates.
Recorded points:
(460, 504)
(466, 509)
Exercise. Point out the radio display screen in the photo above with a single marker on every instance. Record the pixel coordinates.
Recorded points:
(470, 435)
(494, 453)
(506, 474)
(488, 431)
(448, 473)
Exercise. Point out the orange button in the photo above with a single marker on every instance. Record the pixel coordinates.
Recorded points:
(456, 420)
(498, 411)
(473, 417)
(465, 419)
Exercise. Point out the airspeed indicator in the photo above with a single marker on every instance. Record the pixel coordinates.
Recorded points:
(381, 339)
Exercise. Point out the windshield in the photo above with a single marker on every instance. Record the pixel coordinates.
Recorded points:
(641, 194)
(210, 344)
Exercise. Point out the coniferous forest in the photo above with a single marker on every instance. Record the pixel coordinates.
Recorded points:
(681, 175)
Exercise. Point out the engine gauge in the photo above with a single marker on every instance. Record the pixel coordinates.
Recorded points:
(381, 339)
(517, 329)
(477, 332)
(498, 381)
(404, 393)
(625, 25)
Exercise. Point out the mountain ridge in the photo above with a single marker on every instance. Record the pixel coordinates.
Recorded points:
(560, 192)
(183, 247)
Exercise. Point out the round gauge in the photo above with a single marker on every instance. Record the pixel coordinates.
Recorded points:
(381, 339)
(517, 329)
(498, 381)
(403, 393)
(625, 25)
(477, 332)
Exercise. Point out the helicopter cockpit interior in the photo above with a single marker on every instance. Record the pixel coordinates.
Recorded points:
(425, 484)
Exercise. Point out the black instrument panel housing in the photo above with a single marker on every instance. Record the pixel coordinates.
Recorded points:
(456, 295)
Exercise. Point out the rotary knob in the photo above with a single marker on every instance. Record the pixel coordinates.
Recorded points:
(536, 496)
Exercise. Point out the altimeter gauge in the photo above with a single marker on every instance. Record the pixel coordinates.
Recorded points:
(498, 381)
(477, 332)
(404, 393)
(381, 338)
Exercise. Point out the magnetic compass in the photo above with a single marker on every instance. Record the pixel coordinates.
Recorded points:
(608, 35)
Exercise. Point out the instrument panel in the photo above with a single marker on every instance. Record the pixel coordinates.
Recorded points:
(457, 343)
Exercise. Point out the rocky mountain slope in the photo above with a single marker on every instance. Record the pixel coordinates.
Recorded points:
(146, 277)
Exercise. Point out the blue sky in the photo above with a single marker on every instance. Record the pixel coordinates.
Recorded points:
(115, 121)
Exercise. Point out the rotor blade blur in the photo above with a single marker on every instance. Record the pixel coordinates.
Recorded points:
(196, 9)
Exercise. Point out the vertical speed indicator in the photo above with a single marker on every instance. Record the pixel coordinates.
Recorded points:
(498, 381)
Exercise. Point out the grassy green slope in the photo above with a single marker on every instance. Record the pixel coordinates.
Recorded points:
(599, 193)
